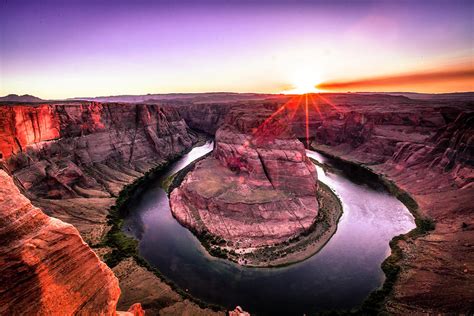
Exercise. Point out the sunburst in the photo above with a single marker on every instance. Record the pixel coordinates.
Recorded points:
(277, 122)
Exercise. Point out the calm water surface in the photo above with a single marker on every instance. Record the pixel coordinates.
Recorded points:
(340, 276)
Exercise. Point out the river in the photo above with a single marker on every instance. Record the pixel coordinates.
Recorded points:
(340, 276)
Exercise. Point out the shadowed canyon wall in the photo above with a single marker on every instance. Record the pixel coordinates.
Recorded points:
(426, 147)
(72, 159)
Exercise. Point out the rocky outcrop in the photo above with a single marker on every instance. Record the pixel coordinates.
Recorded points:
(72, 159)
(257, 189)
(21, 126)
(426, 149)
(80, 150)
(204, 117)
(156, 297)
(238, 311)
(46, 268)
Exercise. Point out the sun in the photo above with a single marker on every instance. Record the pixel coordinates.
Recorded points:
(303, 83)
(303, 88)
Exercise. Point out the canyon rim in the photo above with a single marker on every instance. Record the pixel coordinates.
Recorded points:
(236, 158)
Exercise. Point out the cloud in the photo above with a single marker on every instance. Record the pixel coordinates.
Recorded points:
(425, 78)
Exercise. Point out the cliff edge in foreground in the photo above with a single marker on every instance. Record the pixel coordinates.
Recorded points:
(46, 268)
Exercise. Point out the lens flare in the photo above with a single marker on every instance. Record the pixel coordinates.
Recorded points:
(278, 122)
(303, 82)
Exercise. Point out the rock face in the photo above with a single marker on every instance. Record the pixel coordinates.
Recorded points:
(257, 189)
(238, 311)
(46, 268)
(205, 117)
(427, 149)
(72, 150)
(72, 159)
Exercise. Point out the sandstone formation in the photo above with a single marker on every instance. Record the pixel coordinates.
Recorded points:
(257, 189)
(72, 159)
(238, 311)
(204, 117)
(156, 297)
(427, 149)
(46, 268)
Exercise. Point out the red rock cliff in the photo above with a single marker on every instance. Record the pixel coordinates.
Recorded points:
(72, 159)
(257, 189)
(22, 126)
(46, 268)
(72, 150)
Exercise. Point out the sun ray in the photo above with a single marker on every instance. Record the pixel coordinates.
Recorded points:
(315, 106)
(295, 110)
(266, 130)
(307, 120)
(328, 102)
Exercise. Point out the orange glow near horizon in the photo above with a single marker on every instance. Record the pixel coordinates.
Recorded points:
(306, 119)
(303, 82)
(461, 77)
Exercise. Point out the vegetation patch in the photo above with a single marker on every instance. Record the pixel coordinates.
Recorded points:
(124, 246)
(295, 249)
(174, 180)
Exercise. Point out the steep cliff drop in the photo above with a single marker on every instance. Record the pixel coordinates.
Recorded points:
(71, 160)
(46, 268)
(258, 189)
(426, 148)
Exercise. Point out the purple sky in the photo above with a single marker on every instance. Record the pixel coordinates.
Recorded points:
(57, 49)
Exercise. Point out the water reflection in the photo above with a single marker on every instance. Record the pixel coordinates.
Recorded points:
(341, 275)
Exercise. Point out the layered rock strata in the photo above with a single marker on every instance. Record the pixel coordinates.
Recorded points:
(426, 149)
(46, 268)
(73, 159)
(257, 189)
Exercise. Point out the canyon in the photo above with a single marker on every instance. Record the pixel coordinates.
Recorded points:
(426, 148)
(72, 159)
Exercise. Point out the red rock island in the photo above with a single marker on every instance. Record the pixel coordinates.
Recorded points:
(257, 189)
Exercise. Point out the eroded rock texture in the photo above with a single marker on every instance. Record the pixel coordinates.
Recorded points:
(45, 266)
(427, 149)
(72, 159)
(205, 117)
(258, 188)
